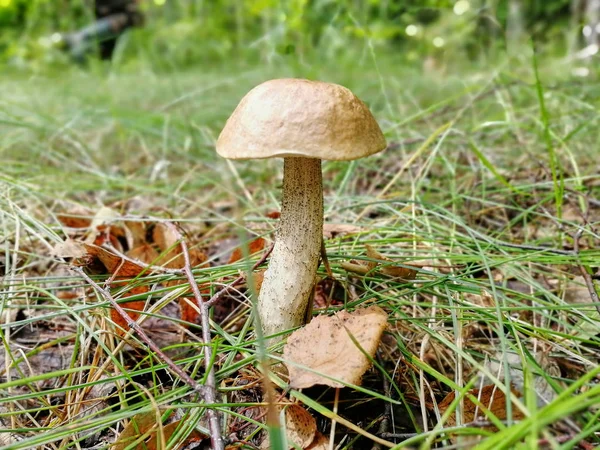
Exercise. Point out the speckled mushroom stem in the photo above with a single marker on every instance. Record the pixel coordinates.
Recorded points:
(289, 280)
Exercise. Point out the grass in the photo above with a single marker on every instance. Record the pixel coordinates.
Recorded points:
(490, 177)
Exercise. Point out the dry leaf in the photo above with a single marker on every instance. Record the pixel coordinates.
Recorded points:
(300, 427)
(355, 267)
(255, 246)
(489, 398)
(331, 230)
(168, 430)
(325, 346)
(114, 264)
(100, 260)
(404, 273)
(320, 442)
(143, 252)
(69, 249)
(167, 241)
(138, 232)
(144, 423)
(259, 277)
(138, 425)
(166, 238)
(76, 218)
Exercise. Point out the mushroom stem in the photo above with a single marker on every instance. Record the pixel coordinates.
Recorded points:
(289, 281)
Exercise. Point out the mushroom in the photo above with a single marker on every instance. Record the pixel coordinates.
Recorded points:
(304, 122)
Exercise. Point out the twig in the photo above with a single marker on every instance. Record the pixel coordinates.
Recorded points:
(584, 273)
(142, 335)
(216, 297)
(210, 386)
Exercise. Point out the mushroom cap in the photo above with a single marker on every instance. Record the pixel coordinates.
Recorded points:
(293, 117)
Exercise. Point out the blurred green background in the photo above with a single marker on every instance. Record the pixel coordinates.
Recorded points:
(179, 33)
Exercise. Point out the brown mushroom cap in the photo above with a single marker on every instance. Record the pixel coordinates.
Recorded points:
(300, 118)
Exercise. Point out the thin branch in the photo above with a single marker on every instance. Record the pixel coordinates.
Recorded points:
(210, 387)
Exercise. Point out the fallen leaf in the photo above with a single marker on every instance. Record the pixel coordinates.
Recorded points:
(478, 403)
(300, 427)
(137, 426)
(259, 277)
(144, 253)
(331, 230)
(355, 267)
(382, 264)
(168, 430)
(138, 232)
(146, 423)
(404, 273)
(69, 249)
(100, 261)
(104, 216)
(114, 264)
(167, 240)
(255, 246)
(320, 442)
(75, 218)
(325, 346)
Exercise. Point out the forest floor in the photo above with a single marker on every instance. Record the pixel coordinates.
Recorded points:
(488, 196)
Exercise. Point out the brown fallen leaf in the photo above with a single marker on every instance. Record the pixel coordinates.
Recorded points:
(404, 273)
(380, 263)
(194, 437)
(329, 346)
(320, 442)
(100, 261)
(331, 230)
(255, 246)
(259, 277)
(146, 423)
(137, 426)
(166, 238)
(300, 427)
(479, 403)
(355, 267)
(144, 253)
(76, 218)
